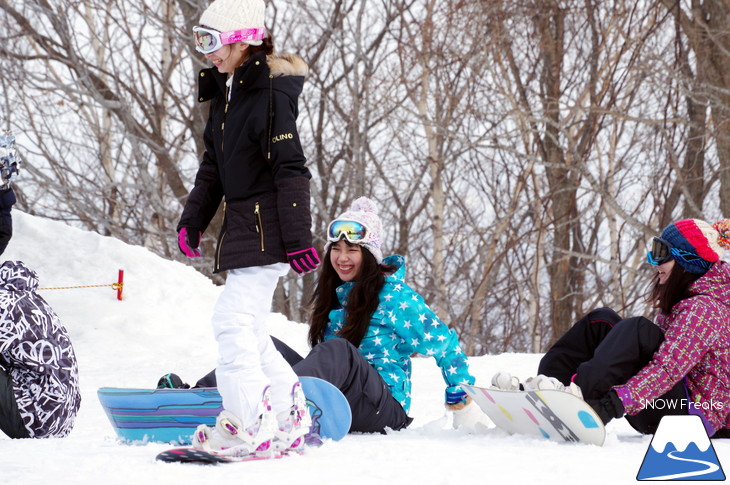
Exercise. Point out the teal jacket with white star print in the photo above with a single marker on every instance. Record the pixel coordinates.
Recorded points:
(402, 325)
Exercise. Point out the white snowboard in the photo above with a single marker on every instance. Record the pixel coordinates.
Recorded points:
(555, 415)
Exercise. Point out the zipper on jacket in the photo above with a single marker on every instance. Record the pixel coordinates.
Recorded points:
(225, 114)
(223, 128)
(259, 224)
(220, 242)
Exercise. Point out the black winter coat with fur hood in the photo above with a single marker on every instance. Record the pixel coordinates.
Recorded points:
(253, 161)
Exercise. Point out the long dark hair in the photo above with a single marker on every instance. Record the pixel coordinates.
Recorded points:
(361, 303)
(665, 296)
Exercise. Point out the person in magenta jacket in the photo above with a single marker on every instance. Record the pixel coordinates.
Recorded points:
(678, 364)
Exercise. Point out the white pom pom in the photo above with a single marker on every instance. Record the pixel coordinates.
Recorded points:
(363, 204)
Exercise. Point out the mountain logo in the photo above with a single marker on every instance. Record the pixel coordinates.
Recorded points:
(681, 450)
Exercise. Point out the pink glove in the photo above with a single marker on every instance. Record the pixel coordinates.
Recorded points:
(188, 242)
(303, 261)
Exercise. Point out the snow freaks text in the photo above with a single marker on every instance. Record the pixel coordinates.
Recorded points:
(681, 404)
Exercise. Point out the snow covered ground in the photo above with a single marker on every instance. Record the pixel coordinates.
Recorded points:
(163, 326)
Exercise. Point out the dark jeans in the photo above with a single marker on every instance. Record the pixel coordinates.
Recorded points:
(339, 362)
(603, 350)
(10, 421)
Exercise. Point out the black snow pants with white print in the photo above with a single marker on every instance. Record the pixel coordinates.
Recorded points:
(39, 393)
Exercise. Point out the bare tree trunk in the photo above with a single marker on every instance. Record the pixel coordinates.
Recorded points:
(708, 35)
(550, 28)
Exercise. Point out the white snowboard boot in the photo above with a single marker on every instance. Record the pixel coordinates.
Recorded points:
(229, 437)
(505, 381)
(541, 382)
(294, 424)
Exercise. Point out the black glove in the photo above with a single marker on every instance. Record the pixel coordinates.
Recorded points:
(608, 407)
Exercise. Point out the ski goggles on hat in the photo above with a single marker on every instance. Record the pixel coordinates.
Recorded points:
(210, 40)
(661, 252)
(353, 231)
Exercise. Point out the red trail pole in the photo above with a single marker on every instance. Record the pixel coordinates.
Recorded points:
(120, 284)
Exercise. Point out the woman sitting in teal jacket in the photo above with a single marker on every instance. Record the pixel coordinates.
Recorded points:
(367, 322)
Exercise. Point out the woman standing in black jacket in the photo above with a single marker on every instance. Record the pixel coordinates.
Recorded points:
(253, 162)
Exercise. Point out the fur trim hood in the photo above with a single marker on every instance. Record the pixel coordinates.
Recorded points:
(282, 72)
(287, 65)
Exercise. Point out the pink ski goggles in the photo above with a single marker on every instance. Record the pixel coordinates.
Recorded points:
(210, 40)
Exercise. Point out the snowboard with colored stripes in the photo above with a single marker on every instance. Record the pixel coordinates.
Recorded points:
(171, 415)
(555, 415)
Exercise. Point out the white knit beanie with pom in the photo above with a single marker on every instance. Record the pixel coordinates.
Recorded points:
(230, 15)
(364, 211)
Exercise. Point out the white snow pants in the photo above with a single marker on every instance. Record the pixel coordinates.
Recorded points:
(247, 359)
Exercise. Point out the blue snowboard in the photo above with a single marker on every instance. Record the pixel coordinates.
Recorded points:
(171, 415)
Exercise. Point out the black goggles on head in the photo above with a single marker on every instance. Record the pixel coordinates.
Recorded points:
(661, 252)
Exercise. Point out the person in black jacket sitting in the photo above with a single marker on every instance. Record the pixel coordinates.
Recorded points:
(39, 377)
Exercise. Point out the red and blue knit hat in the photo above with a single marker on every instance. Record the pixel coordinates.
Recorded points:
(696, 244)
